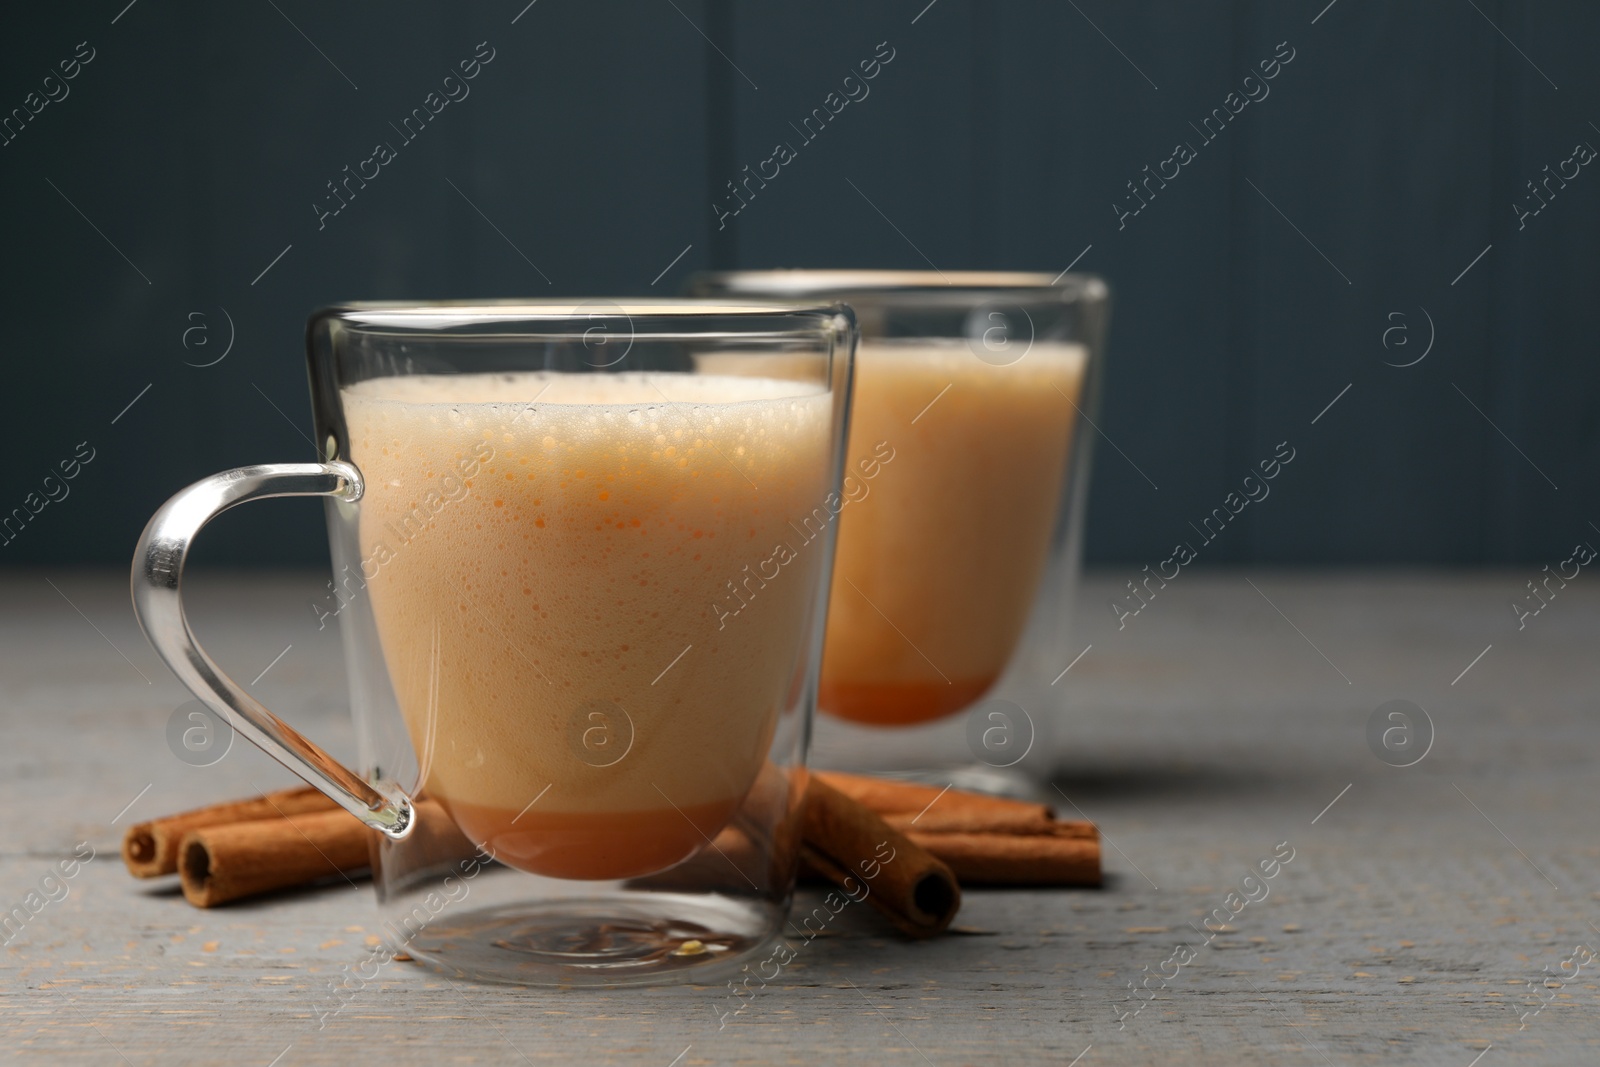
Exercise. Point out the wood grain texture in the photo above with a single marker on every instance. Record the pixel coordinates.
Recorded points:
(1404, 930)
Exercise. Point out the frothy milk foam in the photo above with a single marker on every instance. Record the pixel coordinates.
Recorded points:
(936, 570)
(536, 625)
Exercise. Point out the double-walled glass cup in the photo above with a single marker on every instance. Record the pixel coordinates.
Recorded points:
(535, 513)
(959, 542)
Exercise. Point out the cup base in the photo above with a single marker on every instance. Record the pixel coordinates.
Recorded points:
(600, 941)
(932, 752)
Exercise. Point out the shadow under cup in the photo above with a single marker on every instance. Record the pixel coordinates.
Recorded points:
(552, 503)
(961, 513)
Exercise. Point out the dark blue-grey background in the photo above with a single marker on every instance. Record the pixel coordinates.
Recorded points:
(1392, 150)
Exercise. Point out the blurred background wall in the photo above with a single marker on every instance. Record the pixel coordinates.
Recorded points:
(169, 223)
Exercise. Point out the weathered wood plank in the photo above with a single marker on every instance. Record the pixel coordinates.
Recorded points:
(1403, 930)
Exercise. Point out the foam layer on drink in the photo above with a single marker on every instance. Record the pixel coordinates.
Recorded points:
(936, 570)
(542, 553)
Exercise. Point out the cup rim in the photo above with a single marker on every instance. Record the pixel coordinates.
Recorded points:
(675, 314)
(805, 283)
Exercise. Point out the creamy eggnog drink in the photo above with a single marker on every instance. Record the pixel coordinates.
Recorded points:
(542, 553)
(937, 566)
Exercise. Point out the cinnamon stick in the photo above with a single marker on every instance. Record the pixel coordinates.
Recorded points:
(150, 849)
(984, 840)
(957, 821)
(222, 863)
(290, 837)
(854, 848)
(888, 796)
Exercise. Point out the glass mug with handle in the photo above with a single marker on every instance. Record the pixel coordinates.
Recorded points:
(532, 509)
(960, 524)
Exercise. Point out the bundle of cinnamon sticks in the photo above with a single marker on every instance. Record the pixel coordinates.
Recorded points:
(941, 838)
(985, 840)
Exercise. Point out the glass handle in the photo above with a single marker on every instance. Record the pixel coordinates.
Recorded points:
(158, 604)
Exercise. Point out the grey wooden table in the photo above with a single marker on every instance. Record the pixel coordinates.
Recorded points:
(1422, 909)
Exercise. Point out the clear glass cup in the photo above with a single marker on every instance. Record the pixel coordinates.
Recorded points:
(959, 548)
(534, 511)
